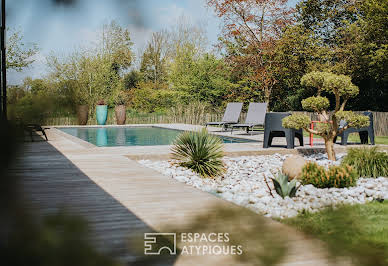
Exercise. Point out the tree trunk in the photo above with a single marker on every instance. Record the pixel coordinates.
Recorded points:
(329, 144)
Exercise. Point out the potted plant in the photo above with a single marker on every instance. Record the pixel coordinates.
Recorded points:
(101, 112)
(82, 112)
(120, 109)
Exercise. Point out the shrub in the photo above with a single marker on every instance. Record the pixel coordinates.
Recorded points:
(283, 187)
(368, 162)
(199, 151)
(335, 176)
(33, 109)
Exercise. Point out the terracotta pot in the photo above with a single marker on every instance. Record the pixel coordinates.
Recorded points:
(120, 112)
(82, 114)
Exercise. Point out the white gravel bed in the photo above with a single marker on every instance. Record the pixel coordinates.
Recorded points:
(244, 184)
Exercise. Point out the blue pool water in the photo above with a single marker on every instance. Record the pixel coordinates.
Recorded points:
(131, 136)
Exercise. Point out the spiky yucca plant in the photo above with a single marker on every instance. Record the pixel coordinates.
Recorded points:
(199, 151)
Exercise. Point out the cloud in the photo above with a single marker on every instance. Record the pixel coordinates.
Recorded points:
(167, 16)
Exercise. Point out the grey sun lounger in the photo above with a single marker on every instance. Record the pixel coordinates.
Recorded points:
(255, 116)
(231, 115)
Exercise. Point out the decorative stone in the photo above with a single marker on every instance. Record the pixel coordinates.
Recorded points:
(243, 183)
(292, 166)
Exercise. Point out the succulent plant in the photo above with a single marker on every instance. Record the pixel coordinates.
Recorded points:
(283, 187)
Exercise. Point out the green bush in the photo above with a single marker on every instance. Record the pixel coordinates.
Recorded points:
(199, 151)
(368, 162)
(335, 176)
(33, 108)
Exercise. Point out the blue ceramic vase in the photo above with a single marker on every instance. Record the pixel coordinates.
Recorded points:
(102, 114)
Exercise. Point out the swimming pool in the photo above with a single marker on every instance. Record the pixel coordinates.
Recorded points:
(131, 136)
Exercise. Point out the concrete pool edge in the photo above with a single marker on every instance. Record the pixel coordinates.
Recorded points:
(74, 139)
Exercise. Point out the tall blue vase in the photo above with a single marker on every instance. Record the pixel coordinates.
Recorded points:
(102, 114)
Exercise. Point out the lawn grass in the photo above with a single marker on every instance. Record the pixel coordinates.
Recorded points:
(359, 230)
(355, 138)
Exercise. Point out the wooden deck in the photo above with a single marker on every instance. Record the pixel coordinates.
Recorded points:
(122, 199)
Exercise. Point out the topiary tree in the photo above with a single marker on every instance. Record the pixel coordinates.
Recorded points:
(343, 89)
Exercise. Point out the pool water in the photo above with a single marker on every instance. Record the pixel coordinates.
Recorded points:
(131, 136)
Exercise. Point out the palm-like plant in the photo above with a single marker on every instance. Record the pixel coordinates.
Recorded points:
(199, 151)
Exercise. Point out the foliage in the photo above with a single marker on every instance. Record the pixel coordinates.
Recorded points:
(299, 51)
(316, 104)
(283, 187)
(326, 17)
(314, 79)
(352, 40)
(101, 102)
(115, 45)
(131, 79)
(88, 75)
(251, 32)
(150, 97)
(343, 89)
(33, 108)
(367, 162)
(14, 94)
(335, 176)
(352, 119)
(18, 57)
(199, 151)
(296, 121)
(204, 79)
(358, 232)
(122, 98)
(155, 58)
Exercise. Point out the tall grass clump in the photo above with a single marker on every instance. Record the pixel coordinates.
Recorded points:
(200, 152)
(368, 162)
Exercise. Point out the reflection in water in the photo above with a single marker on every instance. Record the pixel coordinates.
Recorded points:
(83, 134)
(120, 136)
(102, 137)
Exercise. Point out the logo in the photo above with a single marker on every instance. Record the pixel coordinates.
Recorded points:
(155, 243)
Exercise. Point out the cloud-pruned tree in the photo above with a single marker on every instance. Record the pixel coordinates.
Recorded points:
(343, 89)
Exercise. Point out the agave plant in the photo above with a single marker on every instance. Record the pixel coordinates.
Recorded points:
(199, 151)
(283, 187)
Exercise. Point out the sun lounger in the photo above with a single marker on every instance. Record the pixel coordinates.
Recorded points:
(255, 116)
(231, 115)
(30, 128)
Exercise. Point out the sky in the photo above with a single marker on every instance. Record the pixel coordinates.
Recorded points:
(59, 29)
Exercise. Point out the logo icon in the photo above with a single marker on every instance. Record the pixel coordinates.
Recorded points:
(155, 243)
